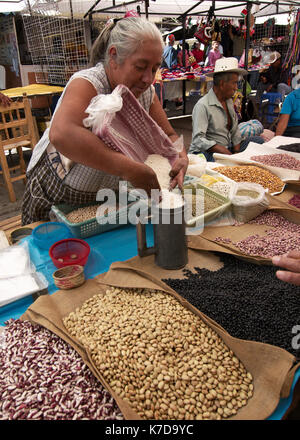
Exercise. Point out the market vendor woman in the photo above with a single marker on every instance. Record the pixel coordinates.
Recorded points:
(70, 163)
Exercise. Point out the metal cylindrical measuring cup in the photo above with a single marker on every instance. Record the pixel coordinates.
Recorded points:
(170, 243)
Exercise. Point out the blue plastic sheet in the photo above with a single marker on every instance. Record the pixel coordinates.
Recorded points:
(107, 248)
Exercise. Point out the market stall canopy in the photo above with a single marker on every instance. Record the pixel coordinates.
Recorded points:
(156, 8)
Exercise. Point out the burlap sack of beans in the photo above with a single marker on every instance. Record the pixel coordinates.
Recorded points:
(272, 368)
(208, 240)
(253, 149)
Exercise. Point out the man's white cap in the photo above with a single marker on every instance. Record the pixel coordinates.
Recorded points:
(229, 64)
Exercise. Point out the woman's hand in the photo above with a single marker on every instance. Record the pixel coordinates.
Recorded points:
(141, 176)
(291, 262)
(178, 171)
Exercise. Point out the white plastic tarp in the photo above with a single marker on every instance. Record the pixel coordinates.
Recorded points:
(157, 8)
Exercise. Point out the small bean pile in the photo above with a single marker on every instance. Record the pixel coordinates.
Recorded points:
(222, 188)
(294, 148)
(252, 174)
(246, 299)
(43, 378)
(82, 214)
(278, 160)
(295, 201)
(284, 237)
(201, 204)
(159, 356)
(247, 193)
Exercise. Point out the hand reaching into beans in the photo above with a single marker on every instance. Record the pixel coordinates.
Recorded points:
(290, 262)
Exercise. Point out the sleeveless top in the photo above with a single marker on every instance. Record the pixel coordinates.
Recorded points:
(75, 175)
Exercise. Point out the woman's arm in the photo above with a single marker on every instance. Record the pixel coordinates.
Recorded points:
(282, 124)
(179, 168)
(79, 144)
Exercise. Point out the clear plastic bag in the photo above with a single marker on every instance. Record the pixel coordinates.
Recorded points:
(18, 276)
(15, 261)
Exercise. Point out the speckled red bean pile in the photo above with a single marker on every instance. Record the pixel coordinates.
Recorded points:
(42, 377)
(295, 201)
(278, 160)
(284, 237)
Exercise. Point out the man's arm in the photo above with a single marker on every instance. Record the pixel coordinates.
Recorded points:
(282, 124)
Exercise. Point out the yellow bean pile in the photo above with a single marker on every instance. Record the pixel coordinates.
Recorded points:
(252, 174)
(159, 356)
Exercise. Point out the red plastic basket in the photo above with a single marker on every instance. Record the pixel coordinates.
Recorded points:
(69, 252)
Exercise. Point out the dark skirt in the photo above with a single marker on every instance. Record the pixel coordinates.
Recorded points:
(44, 188)
(292, 132)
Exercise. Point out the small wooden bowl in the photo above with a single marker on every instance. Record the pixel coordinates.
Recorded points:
(69, 277)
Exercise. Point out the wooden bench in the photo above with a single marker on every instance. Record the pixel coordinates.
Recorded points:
(9, 225)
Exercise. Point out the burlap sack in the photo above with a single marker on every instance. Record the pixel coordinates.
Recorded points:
(207, 241)
(253, 149)
(270, 366)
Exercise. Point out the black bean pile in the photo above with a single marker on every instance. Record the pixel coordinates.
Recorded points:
(247, 300)
(294, 148)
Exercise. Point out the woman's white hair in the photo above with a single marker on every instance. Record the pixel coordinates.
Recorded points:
(126, 35)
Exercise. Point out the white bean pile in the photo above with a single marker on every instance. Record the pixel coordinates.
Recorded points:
(87, 213)
(159, 356)
(43, 378)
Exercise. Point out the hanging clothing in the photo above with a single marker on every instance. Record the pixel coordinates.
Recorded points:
(169, 57)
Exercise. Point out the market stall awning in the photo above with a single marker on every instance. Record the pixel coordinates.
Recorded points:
(156, 8)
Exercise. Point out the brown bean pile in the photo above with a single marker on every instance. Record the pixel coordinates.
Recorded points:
(160, 357)
(283, 237)
(43, 378)
(278, 160)
(249, 173)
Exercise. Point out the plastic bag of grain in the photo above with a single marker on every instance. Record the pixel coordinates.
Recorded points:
(249, 201)
(197, 165)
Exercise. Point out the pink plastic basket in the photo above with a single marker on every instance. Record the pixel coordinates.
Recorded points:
(133, 132)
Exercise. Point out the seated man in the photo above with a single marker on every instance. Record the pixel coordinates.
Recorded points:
(215, 123)
(289, 120)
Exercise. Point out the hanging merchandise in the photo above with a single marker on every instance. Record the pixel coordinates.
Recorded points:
(205, 29)
(204, 33)
(216, 34)
(292, 58)
(244, 12)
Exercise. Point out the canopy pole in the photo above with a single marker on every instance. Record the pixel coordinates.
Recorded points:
(247, 46)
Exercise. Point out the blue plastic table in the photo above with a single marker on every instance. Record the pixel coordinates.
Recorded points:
(116, 245)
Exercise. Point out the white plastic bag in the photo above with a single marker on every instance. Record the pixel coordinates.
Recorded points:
(15, 261)
(102, 106)
(197, 165)
(246, 207)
